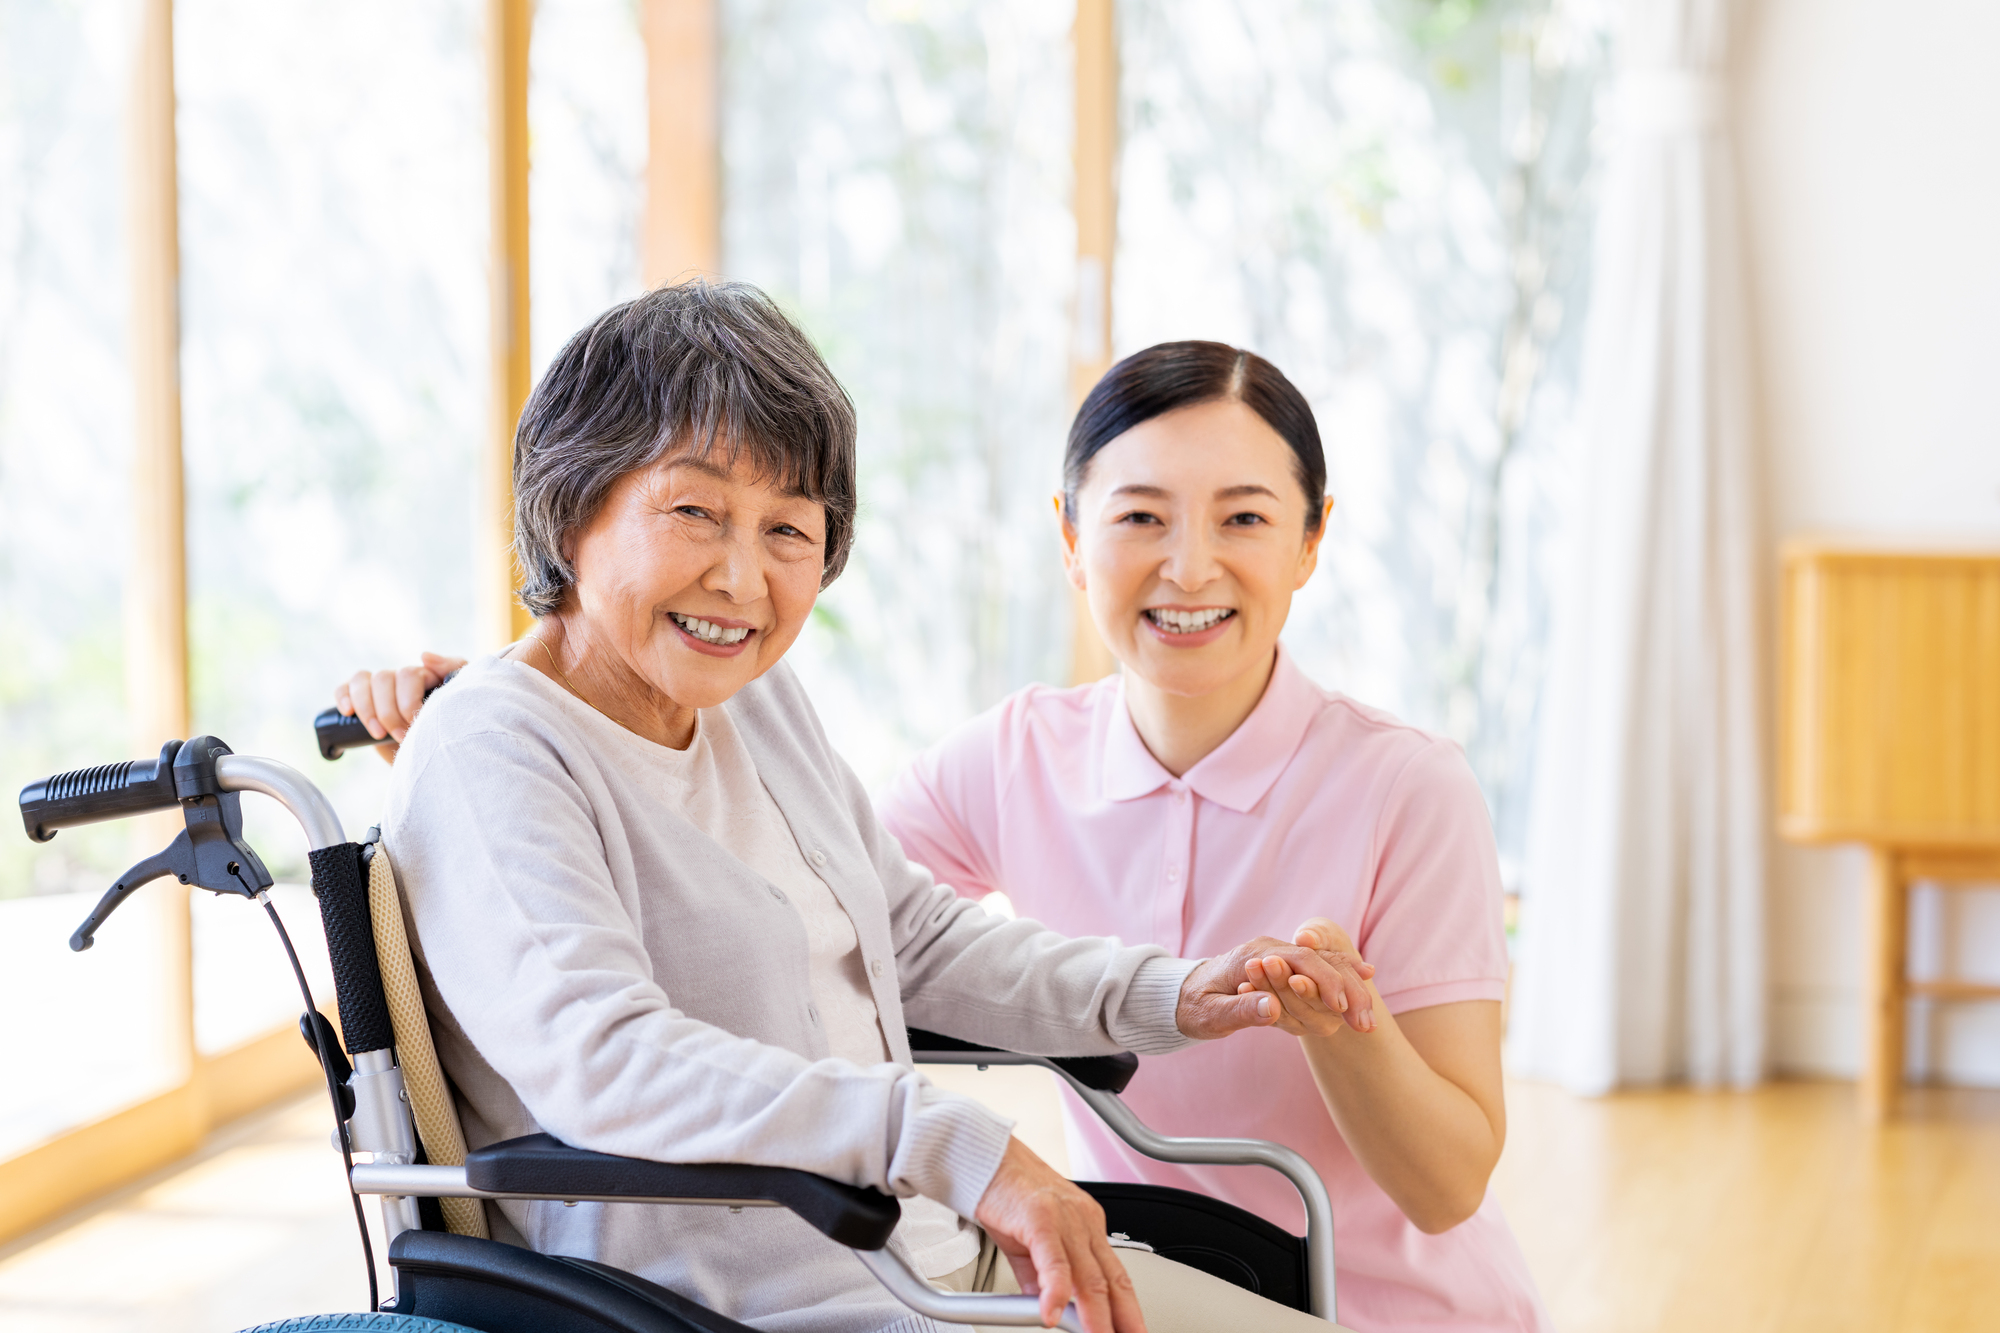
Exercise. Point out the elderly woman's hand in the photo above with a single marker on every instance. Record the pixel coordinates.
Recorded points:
(1240, 989)
(1053, 1236)
(387, 701)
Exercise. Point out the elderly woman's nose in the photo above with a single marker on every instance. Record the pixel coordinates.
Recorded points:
(738, 571)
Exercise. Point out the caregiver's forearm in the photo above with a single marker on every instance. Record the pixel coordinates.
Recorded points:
(1426, 1140)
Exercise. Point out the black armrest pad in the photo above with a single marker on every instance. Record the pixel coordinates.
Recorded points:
(1106, 1073)
(860, 1219)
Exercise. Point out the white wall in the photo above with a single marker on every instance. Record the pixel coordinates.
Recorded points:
(1869, 134)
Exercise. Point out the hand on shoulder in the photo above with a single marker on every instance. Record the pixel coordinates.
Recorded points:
(388, 701)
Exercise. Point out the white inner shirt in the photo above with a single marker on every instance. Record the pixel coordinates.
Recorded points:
(713, 784)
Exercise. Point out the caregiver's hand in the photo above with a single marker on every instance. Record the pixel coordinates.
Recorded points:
(1053, 1235)
(1303, 1011)
(387, 701)
(1222, 995)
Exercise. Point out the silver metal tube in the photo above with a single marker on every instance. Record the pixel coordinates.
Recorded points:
(381, 1121)
(1216, 1152)
(1239, 1152)
(1006, 1311)
(289, 788)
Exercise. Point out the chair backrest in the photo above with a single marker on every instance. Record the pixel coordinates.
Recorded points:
(423, 1078)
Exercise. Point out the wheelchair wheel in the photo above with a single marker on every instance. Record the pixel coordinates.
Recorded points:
(359, 1323)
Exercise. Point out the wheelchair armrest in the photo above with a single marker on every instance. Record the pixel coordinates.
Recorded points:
(1105, 1073)
(540, 1164)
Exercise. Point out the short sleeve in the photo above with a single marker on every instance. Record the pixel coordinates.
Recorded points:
(1433, 922)
(944, 808)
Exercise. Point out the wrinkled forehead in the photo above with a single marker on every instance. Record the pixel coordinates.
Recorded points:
(738, 459)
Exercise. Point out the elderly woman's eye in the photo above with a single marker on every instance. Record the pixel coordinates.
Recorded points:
(692, 511)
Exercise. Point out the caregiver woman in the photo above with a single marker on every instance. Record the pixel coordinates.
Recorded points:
(656, 915)
(1210, 789)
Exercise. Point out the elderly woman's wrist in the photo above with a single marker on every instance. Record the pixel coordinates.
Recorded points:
(1147, 1023)
(951, 1148)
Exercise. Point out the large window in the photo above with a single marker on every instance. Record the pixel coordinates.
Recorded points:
(65, 450)
(898, 175)
(333, 239)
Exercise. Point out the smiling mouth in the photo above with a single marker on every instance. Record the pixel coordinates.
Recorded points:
(1169, 621)
(707, 633)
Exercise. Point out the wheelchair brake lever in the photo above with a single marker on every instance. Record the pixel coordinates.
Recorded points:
(209, 852)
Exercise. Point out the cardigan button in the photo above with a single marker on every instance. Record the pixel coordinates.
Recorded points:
(812, 1012)
(819, 857)
(876, 967)
(777, 893)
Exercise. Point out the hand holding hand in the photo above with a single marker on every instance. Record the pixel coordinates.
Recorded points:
(387, 702)
(1303, 1011)
(1224, 995)
(1053, 1235)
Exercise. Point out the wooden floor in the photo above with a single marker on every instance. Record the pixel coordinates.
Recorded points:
(1770, 1211)
(1775, 1211)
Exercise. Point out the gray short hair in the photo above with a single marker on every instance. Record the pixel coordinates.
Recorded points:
(696, 365)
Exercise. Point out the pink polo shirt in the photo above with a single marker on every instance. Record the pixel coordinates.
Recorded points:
(1316, 806)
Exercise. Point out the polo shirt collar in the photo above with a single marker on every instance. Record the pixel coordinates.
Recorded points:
(1238, 772)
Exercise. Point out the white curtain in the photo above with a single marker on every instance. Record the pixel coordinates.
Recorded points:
(1642, 936)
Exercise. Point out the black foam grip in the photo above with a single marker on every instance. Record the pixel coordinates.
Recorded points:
(339, 732)
(341, 883)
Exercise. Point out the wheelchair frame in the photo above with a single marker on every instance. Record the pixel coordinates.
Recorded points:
(205, 780)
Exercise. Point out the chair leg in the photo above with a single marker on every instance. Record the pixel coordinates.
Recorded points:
(1885, 944)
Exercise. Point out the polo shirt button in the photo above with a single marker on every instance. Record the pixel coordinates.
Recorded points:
(1180, 796)
(777, 893)
(819, 857)
(875, 968)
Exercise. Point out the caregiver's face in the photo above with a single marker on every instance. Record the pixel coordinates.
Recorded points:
(1189, 540)
(697, 574)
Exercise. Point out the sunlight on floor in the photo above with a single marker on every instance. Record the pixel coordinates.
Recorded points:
(1774, 1211)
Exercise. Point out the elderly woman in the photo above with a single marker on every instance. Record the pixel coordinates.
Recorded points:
(656, 915)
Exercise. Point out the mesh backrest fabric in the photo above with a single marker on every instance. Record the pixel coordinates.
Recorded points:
(423, 1077)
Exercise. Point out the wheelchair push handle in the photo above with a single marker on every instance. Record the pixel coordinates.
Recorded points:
(338, 732)
(93, 795)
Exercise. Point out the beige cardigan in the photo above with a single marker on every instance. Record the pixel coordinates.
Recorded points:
(599, 969)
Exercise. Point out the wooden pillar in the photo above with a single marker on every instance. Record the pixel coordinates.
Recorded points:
(156, 645)
(1095, 201)
(500, 617)
(1885, 946)
(683, 224)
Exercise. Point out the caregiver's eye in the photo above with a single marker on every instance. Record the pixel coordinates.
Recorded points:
(1139, 516)
(1246, 519)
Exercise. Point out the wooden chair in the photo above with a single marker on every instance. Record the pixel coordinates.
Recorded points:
(1889, 735)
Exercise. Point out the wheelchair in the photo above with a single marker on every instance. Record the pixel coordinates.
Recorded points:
(400, 1139)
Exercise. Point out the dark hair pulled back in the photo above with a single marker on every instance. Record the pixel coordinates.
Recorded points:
(1168, 376)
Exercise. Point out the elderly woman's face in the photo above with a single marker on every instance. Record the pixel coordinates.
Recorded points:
(696, 576)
